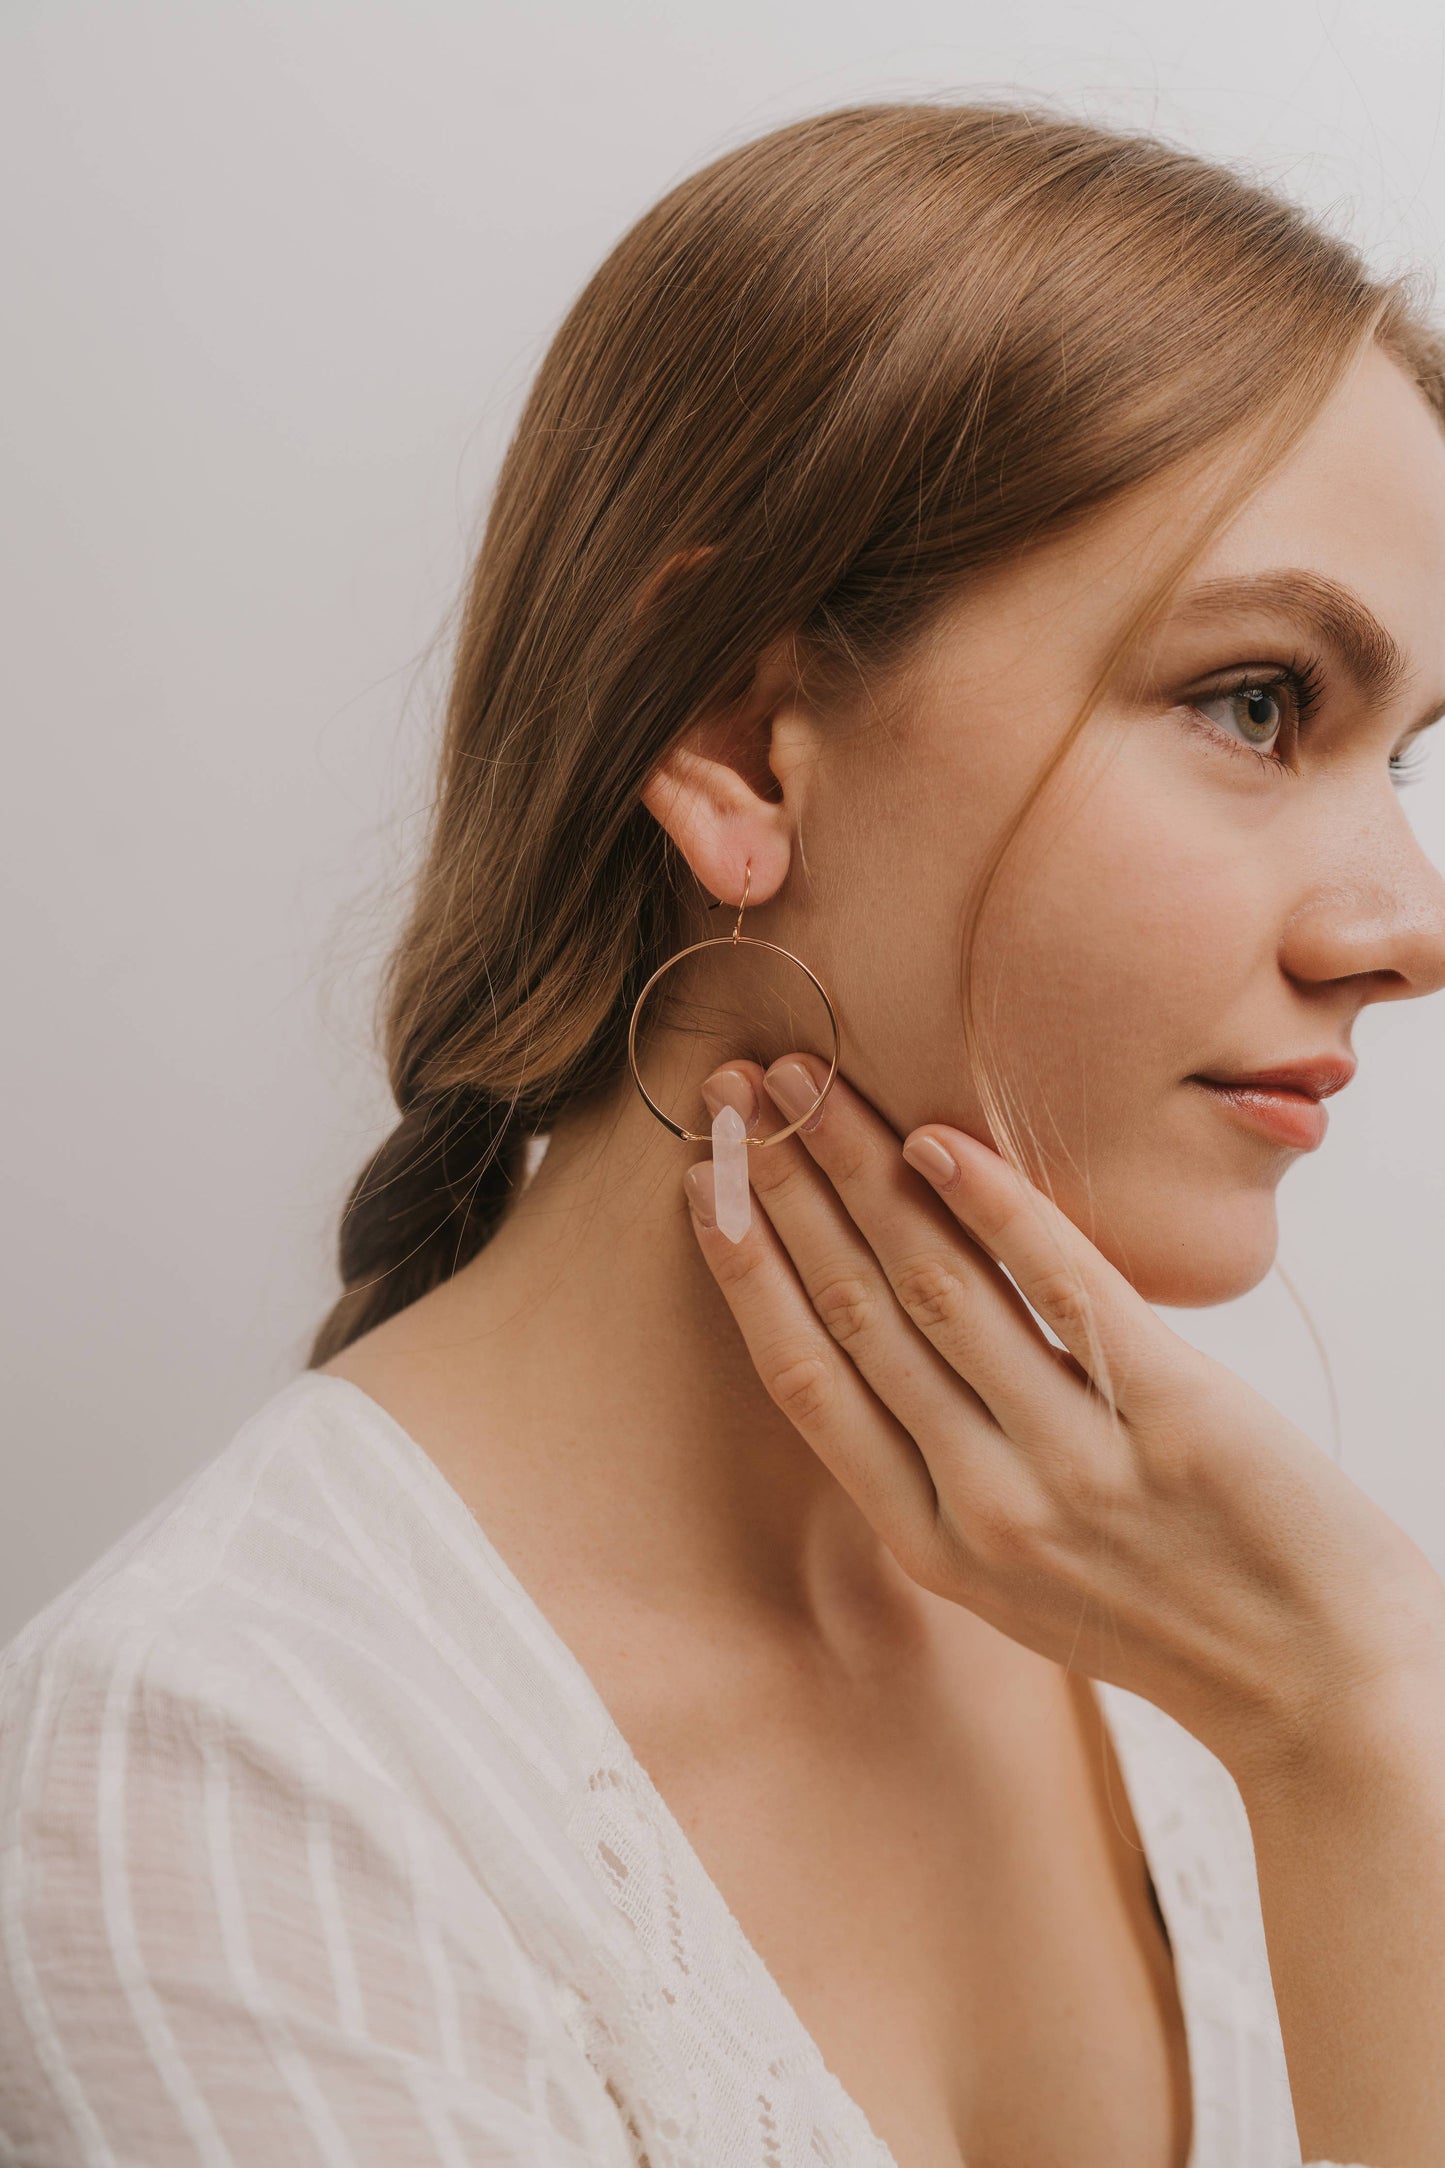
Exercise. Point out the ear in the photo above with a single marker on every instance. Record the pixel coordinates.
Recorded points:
(726, 791)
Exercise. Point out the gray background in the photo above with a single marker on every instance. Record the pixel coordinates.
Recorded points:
(275, 278)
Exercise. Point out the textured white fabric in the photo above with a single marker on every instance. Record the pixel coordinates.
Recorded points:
(318, 1846)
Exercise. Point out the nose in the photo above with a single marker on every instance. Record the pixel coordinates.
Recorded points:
(1378, 917)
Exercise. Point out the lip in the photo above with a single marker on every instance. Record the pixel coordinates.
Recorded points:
(1283, 1103)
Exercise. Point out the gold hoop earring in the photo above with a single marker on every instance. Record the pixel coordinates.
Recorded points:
(730, 1144)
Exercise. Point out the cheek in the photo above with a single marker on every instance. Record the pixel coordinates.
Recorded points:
(1116, 944)
(1117, 948)
(1123, 939)
(1127, 964)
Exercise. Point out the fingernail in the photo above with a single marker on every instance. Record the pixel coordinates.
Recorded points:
(791, 1085)
(730, 1088)
(698, 1184)
(932, 1161)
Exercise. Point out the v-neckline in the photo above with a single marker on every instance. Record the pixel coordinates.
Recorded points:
(783, 2020)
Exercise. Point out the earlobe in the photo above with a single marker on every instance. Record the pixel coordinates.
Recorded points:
(719, 822)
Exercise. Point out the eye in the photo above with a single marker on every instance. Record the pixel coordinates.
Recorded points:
(1405, 767)
(1260, 708)
(1257, 710)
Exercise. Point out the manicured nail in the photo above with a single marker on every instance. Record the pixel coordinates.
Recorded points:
(698, 1184)
(932, 1161)
(730, 1088)
(792, 1086)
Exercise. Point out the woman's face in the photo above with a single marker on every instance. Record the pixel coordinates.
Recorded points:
(1213, 886)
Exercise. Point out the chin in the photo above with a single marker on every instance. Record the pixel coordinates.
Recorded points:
(1206, 1250)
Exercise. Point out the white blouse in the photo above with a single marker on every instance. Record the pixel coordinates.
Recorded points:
(318, 1846)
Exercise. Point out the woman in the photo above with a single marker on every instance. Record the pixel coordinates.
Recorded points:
(660, 1691)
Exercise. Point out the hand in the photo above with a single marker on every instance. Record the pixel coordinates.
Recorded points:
(1199, 1550)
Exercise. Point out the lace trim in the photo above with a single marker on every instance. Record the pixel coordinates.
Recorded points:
(726, 2010)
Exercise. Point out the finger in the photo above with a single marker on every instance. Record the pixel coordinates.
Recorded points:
(842, 1276)
(940, 1280)
(1102, 1320)
(812, 1381)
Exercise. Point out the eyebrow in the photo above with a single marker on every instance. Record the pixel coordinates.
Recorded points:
(1372, 656)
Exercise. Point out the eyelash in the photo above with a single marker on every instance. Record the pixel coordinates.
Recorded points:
(1304, 680)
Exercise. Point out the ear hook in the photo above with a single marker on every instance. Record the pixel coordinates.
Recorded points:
(747, 884)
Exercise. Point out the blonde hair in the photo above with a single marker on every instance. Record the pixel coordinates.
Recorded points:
(827, 380)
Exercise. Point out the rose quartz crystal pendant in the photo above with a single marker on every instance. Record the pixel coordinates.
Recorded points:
(732, 1195)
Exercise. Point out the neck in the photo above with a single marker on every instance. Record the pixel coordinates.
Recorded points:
(583, 1385)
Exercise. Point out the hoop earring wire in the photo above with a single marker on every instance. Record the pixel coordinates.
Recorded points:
(736, 939)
